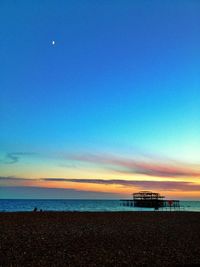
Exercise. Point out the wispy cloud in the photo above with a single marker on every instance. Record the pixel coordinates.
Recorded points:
(14, 157)
(140, 185)
(15, 179)
(150, 185)
(146, 167)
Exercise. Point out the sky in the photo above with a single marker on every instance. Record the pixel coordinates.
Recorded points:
(99, 99)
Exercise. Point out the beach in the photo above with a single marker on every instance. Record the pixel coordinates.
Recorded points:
(99, 238)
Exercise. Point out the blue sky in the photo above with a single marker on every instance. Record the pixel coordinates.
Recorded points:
(122, 77)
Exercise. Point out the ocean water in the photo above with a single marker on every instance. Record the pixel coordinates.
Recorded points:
(9, 205)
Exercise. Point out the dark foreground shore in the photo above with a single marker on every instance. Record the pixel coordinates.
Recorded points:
(100, 239)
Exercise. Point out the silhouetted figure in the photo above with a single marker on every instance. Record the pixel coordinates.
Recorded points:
(41, 210)
(35, 209)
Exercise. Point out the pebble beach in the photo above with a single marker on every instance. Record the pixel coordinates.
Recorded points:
(99, 239)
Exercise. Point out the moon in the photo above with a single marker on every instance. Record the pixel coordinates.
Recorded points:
(53, 42)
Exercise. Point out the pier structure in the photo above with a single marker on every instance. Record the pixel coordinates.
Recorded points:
(148, 199)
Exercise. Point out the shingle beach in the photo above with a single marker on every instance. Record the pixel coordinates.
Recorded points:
(99, 239)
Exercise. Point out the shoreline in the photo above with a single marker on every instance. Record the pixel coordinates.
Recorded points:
(136, 238)
(96, 212)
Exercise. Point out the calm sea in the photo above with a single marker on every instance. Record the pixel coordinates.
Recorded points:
(80, 205)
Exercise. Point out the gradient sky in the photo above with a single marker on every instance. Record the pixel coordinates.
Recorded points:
(111, 108)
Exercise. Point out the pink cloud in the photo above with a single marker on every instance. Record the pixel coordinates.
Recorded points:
(131, 166)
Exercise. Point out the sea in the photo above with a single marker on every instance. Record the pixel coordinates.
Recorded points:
(82, 205)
